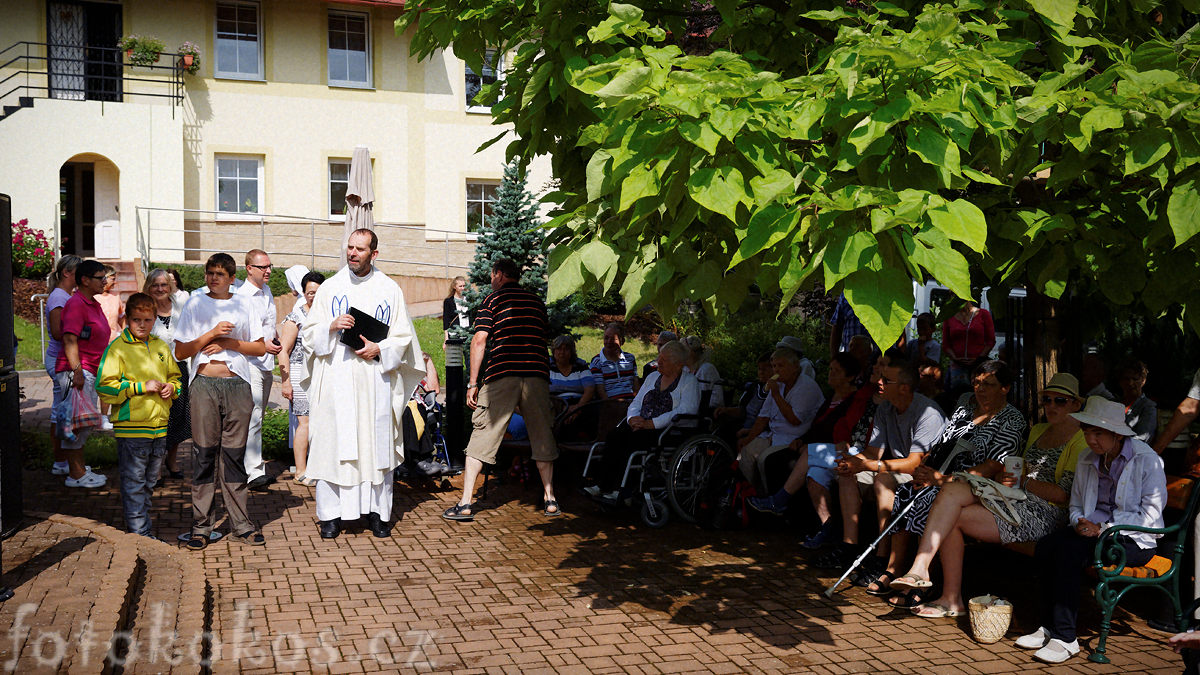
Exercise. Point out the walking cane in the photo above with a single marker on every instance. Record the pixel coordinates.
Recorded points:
(959, 446)
(871, 549)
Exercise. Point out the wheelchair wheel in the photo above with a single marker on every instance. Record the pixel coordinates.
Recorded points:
(691, 469)
(655, 513)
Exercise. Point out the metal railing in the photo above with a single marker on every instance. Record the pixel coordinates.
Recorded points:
(41, 298)
(83, 72)
(191, 235)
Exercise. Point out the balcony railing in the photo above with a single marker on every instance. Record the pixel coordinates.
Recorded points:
(32, 70)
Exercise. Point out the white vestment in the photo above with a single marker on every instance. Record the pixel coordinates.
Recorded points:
(356, 405)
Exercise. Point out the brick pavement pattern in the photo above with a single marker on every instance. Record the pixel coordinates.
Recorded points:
(512, 592)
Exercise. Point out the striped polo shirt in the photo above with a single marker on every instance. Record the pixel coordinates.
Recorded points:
(517, 327)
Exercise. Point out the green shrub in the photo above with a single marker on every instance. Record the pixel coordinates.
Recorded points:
(99, 451)
(738, 339)
(192, 277)
(275, 435)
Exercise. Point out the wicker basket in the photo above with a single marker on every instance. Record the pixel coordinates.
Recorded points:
(989, 622)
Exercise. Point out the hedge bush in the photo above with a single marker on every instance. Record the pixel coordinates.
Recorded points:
(275, 435)
(32, 257)
(736, 340)
(192, 276)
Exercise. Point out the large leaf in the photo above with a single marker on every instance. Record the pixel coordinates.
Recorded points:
(641, 182)
(1183, 211)
(935, 148)
(1146, 149)
(566, 278)
(882, 301)
(932, 251)
(719, 190)
(767, 227)
(1100, 118)
(962, 221)
(598, 257)
(847, 255)
(1060, 13)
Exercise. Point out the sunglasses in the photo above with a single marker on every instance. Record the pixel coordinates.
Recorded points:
(1056, 400)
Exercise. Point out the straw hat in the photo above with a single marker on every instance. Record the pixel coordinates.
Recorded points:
(1106, 414)
(791, 342)
(1063, 383)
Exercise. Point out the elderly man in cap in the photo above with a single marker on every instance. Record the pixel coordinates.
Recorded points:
(788, 412)
(793, 343)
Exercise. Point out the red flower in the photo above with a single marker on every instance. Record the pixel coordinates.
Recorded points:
(29, 263)
(38, 251)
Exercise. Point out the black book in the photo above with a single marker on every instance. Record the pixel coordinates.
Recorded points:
(365, 326)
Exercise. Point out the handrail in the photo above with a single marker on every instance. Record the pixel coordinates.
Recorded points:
(41, 298)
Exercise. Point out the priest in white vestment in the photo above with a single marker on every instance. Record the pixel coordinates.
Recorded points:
(357, 397)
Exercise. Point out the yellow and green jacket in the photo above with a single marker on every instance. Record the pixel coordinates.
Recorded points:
(127, 365)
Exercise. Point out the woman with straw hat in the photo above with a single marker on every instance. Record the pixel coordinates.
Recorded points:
(1049, 461)
(1120, 482)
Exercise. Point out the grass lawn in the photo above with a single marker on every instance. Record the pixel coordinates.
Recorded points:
(29, 347)
(99, 450)
(587, 344)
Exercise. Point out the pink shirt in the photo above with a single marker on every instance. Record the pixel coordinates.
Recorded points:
(82, 316)
(971, 341)
(111, 304)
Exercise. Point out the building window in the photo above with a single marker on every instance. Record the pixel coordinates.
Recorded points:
(239, 184)
(493, 65)
(339, 181)
(481, 197)
(349, 48)
(239, 41)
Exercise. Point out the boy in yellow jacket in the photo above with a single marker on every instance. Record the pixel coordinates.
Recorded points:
(138, 376)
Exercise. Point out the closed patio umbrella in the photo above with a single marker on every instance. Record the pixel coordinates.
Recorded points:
(360, 195)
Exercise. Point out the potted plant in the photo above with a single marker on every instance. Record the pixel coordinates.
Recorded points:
(142, 51)
(189, 53)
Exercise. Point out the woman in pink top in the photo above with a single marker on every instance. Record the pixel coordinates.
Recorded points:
(85, 336)
(967, 338)
(111, 303)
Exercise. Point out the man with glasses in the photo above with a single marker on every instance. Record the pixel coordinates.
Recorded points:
(257, 294)
(907, 424)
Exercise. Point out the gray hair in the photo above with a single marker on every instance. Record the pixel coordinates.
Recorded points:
(676, 350)
(786, 354)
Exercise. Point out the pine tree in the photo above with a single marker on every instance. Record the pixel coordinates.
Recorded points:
(513, 231)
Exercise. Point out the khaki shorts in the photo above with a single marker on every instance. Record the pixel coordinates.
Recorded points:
(866, 480)
(497, 401)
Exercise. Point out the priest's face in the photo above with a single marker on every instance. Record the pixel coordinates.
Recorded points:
(359, 255)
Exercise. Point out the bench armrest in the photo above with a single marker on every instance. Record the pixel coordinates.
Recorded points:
(1109, 553)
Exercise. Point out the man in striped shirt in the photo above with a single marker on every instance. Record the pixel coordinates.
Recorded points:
(615, 371)
(511, 328)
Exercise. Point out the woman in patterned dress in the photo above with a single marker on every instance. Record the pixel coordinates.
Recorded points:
(978, 436)
(1049, 469)
(291, 369)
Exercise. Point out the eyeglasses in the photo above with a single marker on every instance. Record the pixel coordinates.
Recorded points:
(1056, 400)
(100, 277)
(262, 267)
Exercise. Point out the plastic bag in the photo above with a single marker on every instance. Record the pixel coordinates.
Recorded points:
(81, 414)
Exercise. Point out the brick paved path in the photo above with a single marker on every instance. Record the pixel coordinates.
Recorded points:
(518, 592)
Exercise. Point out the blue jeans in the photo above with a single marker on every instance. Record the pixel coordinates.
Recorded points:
(140, 461)
(822, 463)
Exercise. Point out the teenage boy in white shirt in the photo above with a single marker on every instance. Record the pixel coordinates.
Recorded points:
(218, 331)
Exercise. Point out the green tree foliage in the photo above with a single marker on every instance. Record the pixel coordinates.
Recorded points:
(514, 231)
(702, 148)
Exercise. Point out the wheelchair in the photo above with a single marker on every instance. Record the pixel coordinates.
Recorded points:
(673, 474)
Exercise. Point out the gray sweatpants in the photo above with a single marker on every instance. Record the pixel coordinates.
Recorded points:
(221, 409)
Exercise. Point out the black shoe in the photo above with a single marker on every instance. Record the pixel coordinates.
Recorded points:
(379, 528)
(330, 529)
(175, 475)
(260, 484)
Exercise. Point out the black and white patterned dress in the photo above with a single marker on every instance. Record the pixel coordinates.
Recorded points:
(296, 361)
(996, 439)
(1038, 516)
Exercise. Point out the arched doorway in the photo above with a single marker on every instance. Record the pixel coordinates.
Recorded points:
(89, 207)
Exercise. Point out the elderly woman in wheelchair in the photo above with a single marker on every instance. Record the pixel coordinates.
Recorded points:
(666, 394)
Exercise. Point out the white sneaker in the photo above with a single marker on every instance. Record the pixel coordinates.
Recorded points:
(106, 424)
(1035, 640)
(60, 469)
(592, 490)
(87, 480)
(1057, 651)
(611, 496)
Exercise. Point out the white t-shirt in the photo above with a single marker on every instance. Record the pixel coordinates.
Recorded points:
(202, 313)
(805, 398)
(709, 379)
(1194, 392)
(261, 300)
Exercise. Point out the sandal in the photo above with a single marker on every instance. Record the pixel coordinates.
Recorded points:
(460, 512)
(934, 610)
(910, 582)
(197, 542)
(907, 599)
(253, 538)
(549, 504)
(881, 586)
